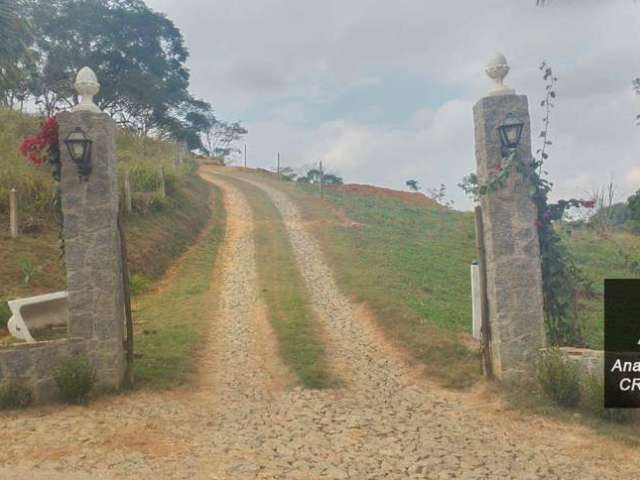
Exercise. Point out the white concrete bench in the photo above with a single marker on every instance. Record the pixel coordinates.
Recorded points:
(36, 313)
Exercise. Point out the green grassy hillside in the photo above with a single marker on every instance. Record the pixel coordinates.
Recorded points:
(410, 263)
(143, 157)
(409, 260)
(158, 231)
(600, 257)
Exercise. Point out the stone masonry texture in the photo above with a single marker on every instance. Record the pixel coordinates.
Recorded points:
(514, 277)
(94, 271)
(33, 365)
(92, 247)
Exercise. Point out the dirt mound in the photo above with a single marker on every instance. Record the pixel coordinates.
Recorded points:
(411, 198)
(414, 198)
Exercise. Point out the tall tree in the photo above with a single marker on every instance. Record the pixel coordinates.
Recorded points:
(220, 136)
(189, 123)
(17, 59)
(138, 54)
(633, 204)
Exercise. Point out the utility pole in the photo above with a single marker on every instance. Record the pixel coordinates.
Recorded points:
(245, 155)
(278, 165)
(321, 183)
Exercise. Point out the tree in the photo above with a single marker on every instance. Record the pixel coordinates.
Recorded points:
(313, 176)
(288, 174)
(332, 179)
(316, 176)
(604, 198)
(187, 124)
(138, 55)
(16, 57)
(413, 185)
(633, 204)
(439, 195)
(220, 136)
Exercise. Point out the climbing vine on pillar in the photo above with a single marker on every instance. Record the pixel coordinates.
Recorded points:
(560, 275)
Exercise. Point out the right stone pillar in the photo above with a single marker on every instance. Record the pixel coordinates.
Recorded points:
(512, 250)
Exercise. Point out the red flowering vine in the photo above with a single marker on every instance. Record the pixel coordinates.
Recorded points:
(43, 147)
(561, 276)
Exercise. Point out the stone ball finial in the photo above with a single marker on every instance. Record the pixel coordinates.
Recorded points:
(497, 69)
(87, 86)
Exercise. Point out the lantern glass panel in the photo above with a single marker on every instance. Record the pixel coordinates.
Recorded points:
(510, 131)
(512, 135)
(77, 144)
(78, 151)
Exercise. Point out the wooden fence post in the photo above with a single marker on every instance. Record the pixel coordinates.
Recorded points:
(163, 191)
(13, 213)
(127, 304)
(128, 201)
(485, 329)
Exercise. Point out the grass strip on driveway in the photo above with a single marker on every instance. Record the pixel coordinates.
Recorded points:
(171, 321)
(409, 263)
(284, 291)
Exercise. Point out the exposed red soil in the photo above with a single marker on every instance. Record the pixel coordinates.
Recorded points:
(414, 198)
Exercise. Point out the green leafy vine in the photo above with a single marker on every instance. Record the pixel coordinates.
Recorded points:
(560, 274)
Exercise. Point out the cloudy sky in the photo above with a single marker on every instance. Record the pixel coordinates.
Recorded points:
(382, 91)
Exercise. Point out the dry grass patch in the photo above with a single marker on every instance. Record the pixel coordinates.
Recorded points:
(171, 321)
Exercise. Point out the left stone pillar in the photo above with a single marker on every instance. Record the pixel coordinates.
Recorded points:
(93, 254)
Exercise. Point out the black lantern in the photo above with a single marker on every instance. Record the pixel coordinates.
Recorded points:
(510, 132)
(79, 147)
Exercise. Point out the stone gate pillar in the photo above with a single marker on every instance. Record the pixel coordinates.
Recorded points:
(513, 265)
(92, 243)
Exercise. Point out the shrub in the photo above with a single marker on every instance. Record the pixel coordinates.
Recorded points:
(75, 378)
(15, 395)
(145, 202)
(159, 202)
(5, 314)
(34, 185)
(633, 205)
(144, 177)
(593, 402)
(170, 182)
(36, 189)
(141, 202)
(28, 270)
(559, 378)
(189, 167)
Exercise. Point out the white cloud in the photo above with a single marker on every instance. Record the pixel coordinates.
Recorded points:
(632, 179)
(286, 58)
(429, 149)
